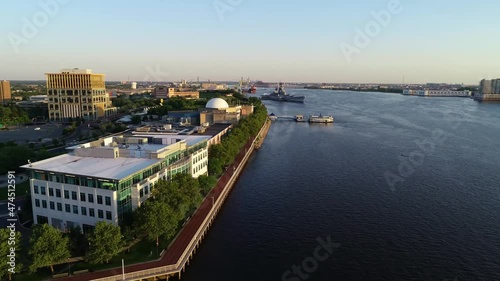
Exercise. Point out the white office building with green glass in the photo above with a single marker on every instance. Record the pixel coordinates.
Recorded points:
(106, 179)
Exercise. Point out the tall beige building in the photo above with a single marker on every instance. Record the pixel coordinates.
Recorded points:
(77, 93)
(4, 91)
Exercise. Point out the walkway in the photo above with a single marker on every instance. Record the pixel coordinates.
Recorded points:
(175, 256)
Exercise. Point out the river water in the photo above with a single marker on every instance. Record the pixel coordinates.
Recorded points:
(409, 188)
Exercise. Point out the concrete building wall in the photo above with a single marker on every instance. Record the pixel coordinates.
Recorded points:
(59, 217)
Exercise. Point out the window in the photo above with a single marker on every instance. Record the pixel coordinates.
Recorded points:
(84, 211)
(73, 195)
(91, 198)
(75, 209)
(146, 190)
(100, 214)
(82, 196)
(108, 200)
(59, 207)
(37, 203)
(35, 189)
(58, 193)
(99, 199)
(91, 212)
(141, 192)
(108, 215)
(52, 205)
(44, 204)
(66, 194)
(51, 191)
(42, 190)
(67, 207)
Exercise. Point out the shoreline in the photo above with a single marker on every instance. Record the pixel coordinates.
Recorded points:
(182, 249)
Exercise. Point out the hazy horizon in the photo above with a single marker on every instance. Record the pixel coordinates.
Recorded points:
(379, 41)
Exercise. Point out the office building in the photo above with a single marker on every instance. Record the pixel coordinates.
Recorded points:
(78, 93)
(489, 90)
(164, 92)
(106, 179)
(5, 94)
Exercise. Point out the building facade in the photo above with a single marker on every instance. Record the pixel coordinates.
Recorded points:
(107, 179)
(436, 93)
(164, 92)
(5, 93)
(489, 90)
(77, 93)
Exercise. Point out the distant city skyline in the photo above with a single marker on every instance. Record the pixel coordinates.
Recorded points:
(379, 41)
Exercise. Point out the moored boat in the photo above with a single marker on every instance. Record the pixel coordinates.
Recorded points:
(321, 119)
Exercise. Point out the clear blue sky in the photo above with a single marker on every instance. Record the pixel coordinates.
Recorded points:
(451, 41)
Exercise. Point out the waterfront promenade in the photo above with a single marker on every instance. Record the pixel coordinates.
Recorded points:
(177, 256)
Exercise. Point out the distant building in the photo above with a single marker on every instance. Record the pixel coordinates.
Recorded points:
(78, 93)
(213, 86)
(5, 94)
(489, 90)
(218, 111)
(437, 93)
(164, 92)
(106, 179)
(133, 86)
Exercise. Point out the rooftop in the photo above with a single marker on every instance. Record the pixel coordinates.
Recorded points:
(108, 168)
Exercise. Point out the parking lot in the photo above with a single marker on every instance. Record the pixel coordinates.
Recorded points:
(25, 134)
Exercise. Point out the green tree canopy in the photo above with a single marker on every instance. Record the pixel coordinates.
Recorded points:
(48, 246)
(105, 243)
(5, 247)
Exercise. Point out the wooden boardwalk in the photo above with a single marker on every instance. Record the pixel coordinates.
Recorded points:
(177, 256)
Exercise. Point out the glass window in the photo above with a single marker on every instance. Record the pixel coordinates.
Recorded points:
(99, 199)
(51, 191)
(141, 192)
(52, 205)
(74, 195)
(42, 190)
(108, 200)
(58, 193)
(59, 206)
(100, 214)
(44, 204)
(146, 190)
(91, 198)
(75, 209)
(82, 196)
(67, 207)
(91, 212)
(66, 194)
(108, 215)
(84, 211)
(37, 203)
(35, 189)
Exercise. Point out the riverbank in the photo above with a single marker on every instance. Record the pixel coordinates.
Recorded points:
(175, 259)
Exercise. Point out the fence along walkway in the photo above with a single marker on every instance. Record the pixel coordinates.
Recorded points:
(181, 251)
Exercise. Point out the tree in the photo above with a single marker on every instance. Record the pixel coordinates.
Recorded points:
(157, 219)
(207, 183)
(48, 246)
(5, 251)
(105, 243)
(136, 119)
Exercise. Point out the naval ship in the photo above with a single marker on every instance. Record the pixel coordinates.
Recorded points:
(280, 94)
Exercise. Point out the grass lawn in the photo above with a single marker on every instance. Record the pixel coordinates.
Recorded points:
(21, 190)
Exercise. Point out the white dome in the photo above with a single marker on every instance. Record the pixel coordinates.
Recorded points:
(217, 103)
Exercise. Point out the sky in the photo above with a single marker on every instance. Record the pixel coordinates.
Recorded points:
(356, 41)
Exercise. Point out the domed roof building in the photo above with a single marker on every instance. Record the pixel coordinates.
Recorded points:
(218, 111)
(217, 103)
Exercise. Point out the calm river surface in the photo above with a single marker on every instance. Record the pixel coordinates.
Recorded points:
(434, 220)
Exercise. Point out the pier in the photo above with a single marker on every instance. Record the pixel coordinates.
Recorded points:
(178, 255)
